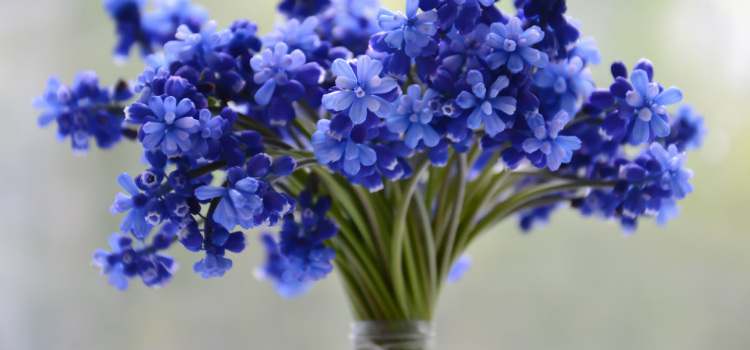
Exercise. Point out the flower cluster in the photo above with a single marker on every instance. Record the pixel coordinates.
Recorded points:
(300, 256)
(230, 121)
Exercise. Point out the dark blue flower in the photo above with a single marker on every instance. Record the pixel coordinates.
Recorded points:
(240, 203)
(303, 8)
(204, 46)
(482, 105)
(359, 91)
(81, 111)
(688, 129)
(412, 31)
(137, 205)
(352, 151)
(556, 148)
(511, 46)
(277, 69)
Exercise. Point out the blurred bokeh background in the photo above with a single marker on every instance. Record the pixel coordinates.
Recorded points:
(574, 284)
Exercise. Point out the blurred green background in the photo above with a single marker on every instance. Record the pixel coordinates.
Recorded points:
(574, 284)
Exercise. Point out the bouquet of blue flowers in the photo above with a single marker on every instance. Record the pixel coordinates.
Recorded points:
(382, 143)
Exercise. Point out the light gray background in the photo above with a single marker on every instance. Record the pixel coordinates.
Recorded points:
(576, 284)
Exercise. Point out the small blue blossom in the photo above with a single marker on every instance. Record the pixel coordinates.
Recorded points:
(511, 46)
(212, 265)
(674, 176)
(295, 35)
(124, 263)
(167, 16)
(563, 84)
(688, 129)
(641, 104)
(459, 269)
(359, 92)
(351, 150)
(173, 125)
(202, 45)
(303, 8)
(275, 69)
(412, 116)
(240, 203)
(81, 111)
(138, 205)
(411, 31)
(273, 270)
(556, 148)
(482, 105)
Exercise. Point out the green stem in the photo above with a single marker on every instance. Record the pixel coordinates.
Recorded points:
(447, 249)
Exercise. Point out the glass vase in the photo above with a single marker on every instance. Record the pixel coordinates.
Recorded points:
(393, 335)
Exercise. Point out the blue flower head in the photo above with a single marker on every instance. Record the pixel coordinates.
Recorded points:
(168, 15)
(674, 176)
(556, 148)
(641, 105)
(352, 151)
(413, 115)
(359, 92)
(80, 111)
(688, 129)
(203, 45)
(273, 270)
(295, 35)
(511, 46)
(124, 263)
(483, 105)
(172, 125)
(303, 8)
(412, 31)
(143, 210)
(563, 84)
(278, 68)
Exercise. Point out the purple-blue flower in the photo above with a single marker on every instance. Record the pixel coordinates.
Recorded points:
(674, 176)
(557, 148)
(295, 35)
(359, 91)
(172, 126)
(484, 105)
(137, 205)
(276, 69)
(511, 46)
(564, 84)
(413, 115)
(353, 150)
(240, 203)
(641, 104)
(412, 31)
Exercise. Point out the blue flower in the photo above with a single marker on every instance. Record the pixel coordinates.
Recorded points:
(359, 91)
(213, 265)
(240, 203)
(138, 205)
(511, 46)
(459, 269)
(203, 45)
(303, 8)
(120, 264)
(483, 105)
(277, 69)
(688, 129)
(413, 116)
(173, 125)
(295, 35)
(412, 31)
(81, 111)
(167, 16)
(274, 268)
(644, 102)
(557, 149)
(674, 176)
(564, 84)
(352, 151)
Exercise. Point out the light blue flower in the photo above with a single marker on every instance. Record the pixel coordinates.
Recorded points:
(359, 90)
(294, 34)
(273, 68)
(413, 116)
(570, 81)
(485, 103)
(201, 44)
(173, 126)
(511, 46)
(558, 149)
(412, 30)
(135, 204)
(240, 203)
(647, 103)
(675, 176)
